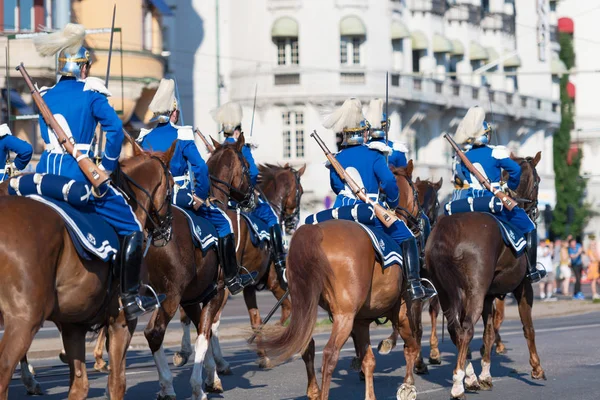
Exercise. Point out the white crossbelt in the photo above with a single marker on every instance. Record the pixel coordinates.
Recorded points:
(50, 148)
(2, 171)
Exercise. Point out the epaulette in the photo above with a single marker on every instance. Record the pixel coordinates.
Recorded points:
(96, 85)
(500, 152)
(380, 147)
(251, 142)
(399, 146)
(185, 132)
(143, 133)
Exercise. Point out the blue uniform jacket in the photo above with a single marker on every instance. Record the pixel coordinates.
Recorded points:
(83, 106)
(163, 136)
(373, 171)
(248, 155)
(490, 161)
(21, 148)
(398, 157)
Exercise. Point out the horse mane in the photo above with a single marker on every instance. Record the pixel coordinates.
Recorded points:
(268, 172)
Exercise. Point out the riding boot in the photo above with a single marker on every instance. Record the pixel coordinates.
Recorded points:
(410, 253)
(425, 231)
(130, 257)
(534, 274)
(278, 254)
(234, 281)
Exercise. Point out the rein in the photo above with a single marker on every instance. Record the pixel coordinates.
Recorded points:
(161, 232)
(408, 214)
(291, 220)
(247, 196)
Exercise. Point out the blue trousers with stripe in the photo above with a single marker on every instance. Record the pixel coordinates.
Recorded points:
(218, 218)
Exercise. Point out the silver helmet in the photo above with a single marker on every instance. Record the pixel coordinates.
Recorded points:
(70, 64)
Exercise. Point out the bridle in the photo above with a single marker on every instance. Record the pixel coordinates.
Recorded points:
(161, 231)
(436, 205)
(531, 200)
(291, 220)
(409, 215)
(248, 200)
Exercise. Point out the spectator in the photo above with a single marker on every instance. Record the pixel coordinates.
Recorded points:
(565, 270)
(575, 254)
(544, 257)
(593, 269)
(556, 263)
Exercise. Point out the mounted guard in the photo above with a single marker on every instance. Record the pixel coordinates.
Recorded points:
(368, 168)
(229, 115)
(380, 124)
(21, 148)
(166, 111)
(474, 134)
(79, 102)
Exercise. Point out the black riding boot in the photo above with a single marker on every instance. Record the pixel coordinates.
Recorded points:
(132, 252)
(234, 281)
(278, 255)
(410, 253)
(534, 274)
(425, 231)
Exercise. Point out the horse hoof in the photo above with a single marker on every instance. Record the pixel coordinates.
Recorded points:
(473, 387)
(264, 363)
(501, 349)
(36, 390)
(180, 358)
(63, 357)
(486, 384)
(385, 347)
(541, 375)
(101, 367)
(435, 361)
(421, 369)
(406, 392)
(225, 371)
(460, 397)
(356, 365)
(216, 387)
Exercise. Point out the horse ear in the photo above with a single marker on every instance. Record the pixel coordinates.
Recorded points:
(241, 141)
(409, 168)
(168, 155)
(418, 180)
(137, 149)
(302, 170)
(512, 155)
(286, 166)
(439, 184)
(537, 158)
(216, 144)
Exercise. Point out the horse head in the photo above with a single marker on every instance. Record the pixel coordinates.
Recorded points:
(230, 174)
(146, 180)
(408, 207)
(428, 197)
(529, 185)
(283, 189)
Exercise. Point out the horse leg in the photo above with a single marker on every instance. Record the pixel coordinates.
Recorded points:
(312, 390)
(223, 367)
(278, 292)
(498, 319)
(342, 326)
(524, 296)
(119, 334)
(212, 383)
(201, 349)
(100, 365)
(255, 322)
(73, 337)
(412, 349)
(363, 346)
(15, 342)
(155, 334)
(27, 377)
(435, 357)
(462, 337)
(416, 312)
(356, 363)
(485, 378)
(181, 357)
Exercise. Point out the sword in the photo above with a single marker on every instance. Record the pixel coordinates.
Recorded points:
(269, 315)
(253, 109)
(178, 100)
(387, 116)
(98, 147)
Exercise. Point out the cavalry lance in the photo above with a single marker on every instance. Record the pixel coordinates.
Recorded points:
(508, 202)
(386, 216)
(96, 176)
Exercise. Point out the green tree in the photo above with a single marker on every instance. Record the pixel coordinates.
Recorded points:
(569, 185)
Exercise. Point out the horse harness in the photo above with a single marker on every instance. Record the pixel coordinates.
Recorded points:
(247, 201)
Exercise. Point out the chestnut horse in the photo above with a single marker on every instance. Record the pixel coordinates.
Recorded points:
(282, 188)
(470, 266)
(45, 279)
(333, 265)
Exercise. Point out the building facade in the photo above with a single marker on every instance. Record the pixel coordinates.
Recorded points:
(304, 58)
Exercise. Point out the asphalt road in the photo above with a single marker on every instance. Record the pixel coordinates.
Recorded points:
(569, 349)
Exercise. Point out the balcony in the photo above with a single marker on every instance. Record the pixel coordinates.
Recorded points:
(437, 7)
(499, 22)
(464, 13)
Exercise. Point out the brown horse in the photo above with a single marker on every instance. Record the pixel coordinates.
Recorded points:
(51, 282)
(470, 266)
(333, 264)
(282, 188)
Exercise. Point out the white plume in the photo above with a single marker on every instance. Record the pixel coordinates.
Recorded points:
(164, 99)
(229, 115)
(471, 125)
(375, 113)
(69, 39)
(349, 115)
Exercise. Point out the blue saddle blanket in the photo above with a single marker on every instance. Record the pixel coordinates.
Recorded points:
(387, 249)
(91, 235)
(204, 233)
(259, 231)
(512, 236)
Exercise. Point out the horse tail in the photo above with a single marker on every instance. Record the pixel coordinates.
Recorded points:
(309, 273)
(445, 266)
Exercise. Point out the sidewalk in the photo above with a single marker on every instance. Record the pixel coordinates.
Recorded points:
(46, 348)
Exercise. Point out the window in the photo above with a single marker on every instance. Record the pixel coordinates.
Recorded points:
(416, 58)
(512, 84)
(293, 134)
(18, 15)
(287, 51)
(350, 49)
(397, 54)
(147, 29)
(454, 60)
(10, 10)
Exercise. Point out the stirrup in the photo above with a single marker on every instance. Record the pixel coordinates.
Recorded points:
(252, 275)
(538, 274)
